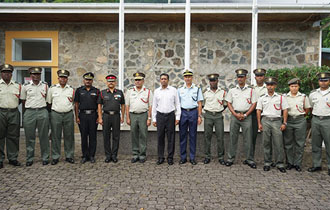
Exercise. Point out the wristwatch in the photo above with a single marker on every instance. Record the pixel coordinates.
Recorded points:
(245, 115)
(149, 118)
(284, 123)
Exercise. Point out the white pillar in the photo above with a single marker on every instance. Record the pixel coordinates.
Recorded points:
(187, 36)
(121, 45)
(254, 40)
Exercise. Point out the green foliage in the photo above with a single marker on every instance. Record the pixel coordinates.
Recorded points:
(306, 74)
(326, 33)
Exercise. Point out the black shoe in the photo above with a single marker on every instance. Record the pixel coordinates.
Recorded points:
(29, 163)
(45, 162)
(329, 172)
(229, 163)
(183, 161)
(142, 160)
(170, 161)
(92, 159)
(266, 168)
(298, 168)
(207, 160)
(160, 161)
(114, 159)
(282, 170)
(107, 160)
(314, 169)
(245, 162)
(69, 160)
(193, 162)
(253, 165)
(14, 163)
(54, 161)
(1, 165)
(273, 165)
(289, 166)
(83, 160)
(222, 162)
(134, 160)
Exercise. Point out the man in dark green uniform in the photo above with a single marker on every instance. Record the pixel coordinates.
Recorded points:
(9, 116)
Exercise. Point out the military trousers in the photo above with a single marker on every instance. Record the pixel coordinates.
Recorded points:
(320, 133)
(139, 133)
(214, 120)
(111, 125)
(88, 128)
(166, 125)
(272, 135)
(9, 133)
(235, 126)
(62, 122)
(294, 140)
(34, 119)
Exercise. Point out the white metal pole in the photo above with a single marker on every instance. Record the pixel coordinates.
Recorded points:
(254, 40)
(121, 44)
(320, 48)
(187, 36)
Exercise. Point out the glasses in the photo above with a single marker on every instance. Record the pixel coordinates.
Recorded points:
(138, 79)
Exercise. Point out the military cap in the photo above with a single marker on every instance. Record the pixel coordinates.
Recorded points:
(111, 78)
(188, 72)
(271, 80)
(7, 67)
(294, 81)
(88, 75)
(213, 77)
(63, 73)
(324, 76)
(241, 72)
(139, 75)
(259, 72)
(35, 70)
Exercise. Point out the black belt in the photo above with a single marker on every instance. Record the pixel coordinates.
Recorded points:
(138, 112)
(36, 109)
(61, 112)
(111, 112)
(213, 113)
(88, 111)
(322, 117)
(165, 114)
(297, 117)
(9, 109)
(241, 112)
(272, 118)
(189, 110)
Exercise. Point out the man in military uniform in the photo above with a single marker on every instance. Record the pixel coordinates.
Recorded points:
(9, 116)
(260, 90)
(295, 132)
(138, 116)
(35, 116)
(270, 107)
(191, 98)
(113, 102)
(86, 116)
(61, 96)
(214, 105)
(320, 102)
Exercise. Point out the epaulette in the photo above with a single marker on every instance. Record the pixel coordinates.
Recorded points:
(313, 91)
(250, 86)
(26, 83)
(262, 95)
(53, 86)
(44, 83)
(15, 82)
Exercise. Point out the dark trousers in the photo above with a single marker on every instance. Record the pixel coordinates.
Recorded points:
(111, 124)
(188, 120)
(88, 127)
(166, 124)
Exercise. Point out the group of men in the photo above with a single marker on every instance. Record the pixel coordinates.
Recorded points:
(280, 118)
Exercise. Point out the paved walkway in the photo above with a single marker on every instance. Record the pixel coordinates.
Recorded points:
(147, 186)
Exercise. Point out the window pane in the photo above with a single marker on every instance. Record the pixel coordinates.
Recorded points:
(32, 50)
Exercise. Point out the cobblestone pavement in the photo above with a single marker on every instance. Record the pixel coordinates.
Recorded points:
(147, 186)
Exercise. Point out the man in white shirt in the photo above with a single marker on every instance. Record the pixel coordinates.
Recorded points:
(166, 113)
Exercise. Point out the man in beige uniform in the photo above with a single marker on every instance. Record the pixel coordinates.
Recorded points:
(138, 116)
(9, 116)
(35, 116)
(60, 97)
(214, 105)
(295, 132)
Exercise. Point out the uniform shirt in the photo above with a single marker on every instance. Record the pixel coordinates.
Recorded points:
(297, 104)
(139, 101)
(241, 99)
(9, 94)
(166, 100)
(87, 99)
(35, 95)
(111, 101)
(272, 106)
(214, 101)
(190, 96)
(320, 102)
(61, 98)
(260, 90)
